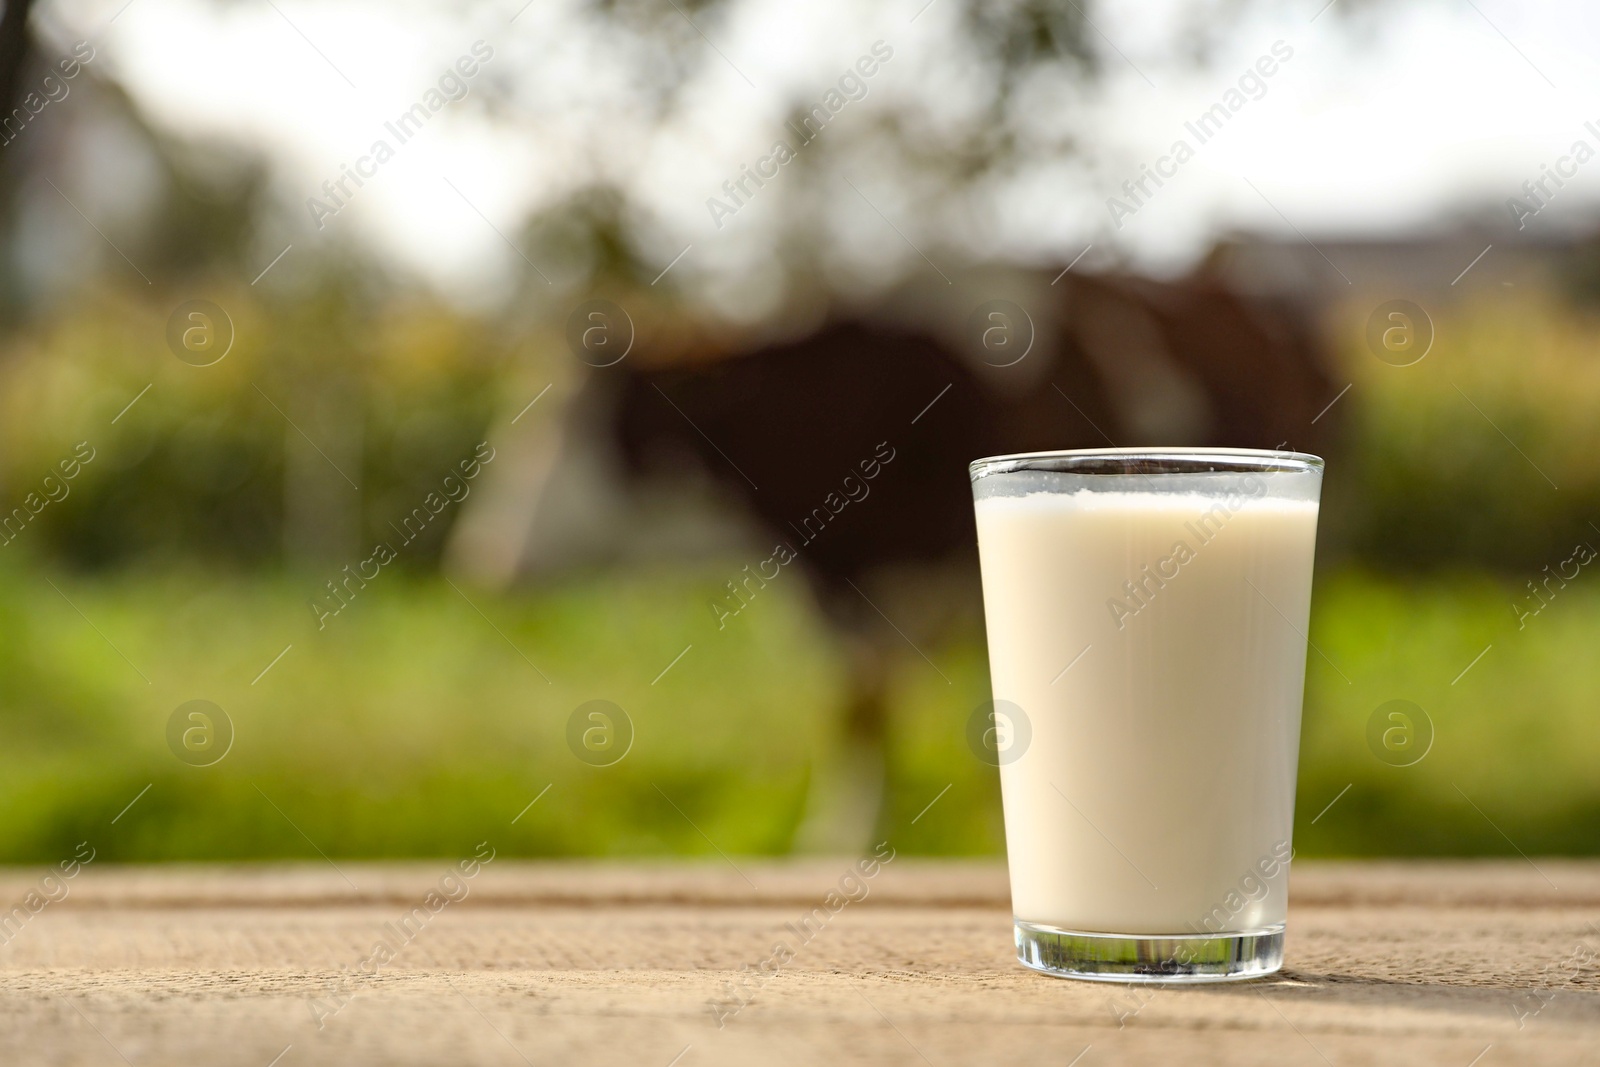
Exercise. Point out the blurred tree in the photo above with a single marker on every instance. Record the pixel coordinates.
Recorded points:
(16, 43)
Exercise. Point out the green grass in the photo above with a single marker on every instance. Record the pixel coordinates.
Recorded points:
(1516, 735)
(414, 725)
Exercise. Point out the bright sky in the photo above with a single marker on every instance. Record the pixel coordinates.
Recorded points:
(1392, 117)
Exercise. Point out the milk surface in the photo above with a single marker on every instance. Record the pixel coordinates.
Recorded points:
(1156, 793)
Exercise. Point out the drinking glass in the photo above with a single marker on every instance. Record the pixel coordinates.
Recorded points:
(1147, 612)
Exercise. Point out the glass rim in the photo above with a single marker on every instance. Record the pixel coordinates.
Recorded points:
(1149, 461)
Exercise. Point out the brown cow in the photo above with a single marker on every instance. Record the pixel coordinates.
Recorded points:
(849, 446)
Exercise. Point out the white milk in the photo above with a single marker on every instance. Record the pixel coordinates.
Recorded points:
(1157, 792)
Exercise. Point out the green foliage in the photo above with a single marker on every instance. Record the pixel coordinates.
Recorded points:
(1514, 735)
(1456, 460)
(412, 725)
(392, 394)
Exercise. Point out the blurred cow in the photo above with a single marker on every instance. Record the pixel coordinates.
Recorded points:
(848, 446)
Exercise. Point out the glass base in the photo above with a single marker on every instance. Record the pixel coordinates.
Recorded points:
(1150, 958)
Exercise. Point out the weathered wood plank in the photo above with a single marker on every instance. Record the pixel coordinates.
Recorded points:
(620, 963)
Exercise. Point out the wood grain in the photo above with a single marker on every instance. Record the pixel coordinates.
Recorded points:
(1427, 963)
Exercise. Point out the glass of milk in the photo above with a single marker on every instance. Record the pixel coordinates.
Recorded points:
(1147, 613)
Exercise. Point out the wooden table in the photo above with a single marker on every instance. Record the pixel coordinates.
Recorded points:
(1427, 963)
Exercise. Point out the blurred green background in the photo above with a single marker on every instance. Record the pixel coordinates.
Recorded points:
(419, 720)
(178, 563)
